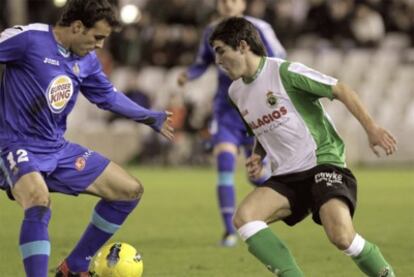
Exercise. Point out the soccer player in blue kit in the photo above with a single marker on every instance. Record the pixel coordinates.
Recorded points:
(227, 129)
(45, 68)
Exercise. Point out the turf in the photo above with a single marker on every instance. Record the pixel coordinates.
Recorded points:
(177, 228)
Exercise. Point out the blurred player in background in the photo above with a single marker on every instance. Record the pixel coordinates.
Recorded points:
(45, 68)
(227, 129)
(279, 101)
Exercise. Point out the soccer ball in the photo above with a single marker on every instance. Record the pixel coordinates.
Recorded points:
(117, 259)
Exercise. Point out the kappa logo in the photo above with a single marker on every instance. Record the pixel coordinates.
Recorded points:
(51, 61)
(329, 177)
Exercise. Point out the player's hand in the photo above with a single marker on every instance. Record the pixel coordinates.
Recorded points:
(379, 137)
(254, 166)
(182, 79)
(167, 130)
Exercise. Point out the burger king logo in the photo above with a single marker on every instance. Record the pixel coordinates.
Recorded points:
(59, 92)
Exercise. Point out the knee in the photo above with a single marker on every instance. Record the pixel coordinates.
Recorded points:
(35, 198)
(241, 217)
(226, 160)
(341, 239)
(136, 189)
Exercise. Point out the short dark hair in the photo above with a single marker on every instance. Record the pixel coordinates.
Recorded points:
(89, 12)
(235, 29)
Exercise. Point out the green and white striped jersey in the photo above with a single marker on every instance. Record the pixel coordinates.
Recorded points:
(281, 106)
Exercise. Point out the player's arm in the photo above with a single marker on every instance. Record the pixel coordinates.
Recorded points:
(13, 43)
(204, 59)
(377, 135)
(303, 78)
(254, 163)
(97, 89)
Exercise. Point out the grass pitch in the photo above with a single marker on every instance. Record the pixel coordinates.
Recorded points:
(177, 228)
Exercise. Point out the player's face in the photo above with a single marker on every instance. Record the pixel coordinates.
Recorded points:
(89, 39)
(228, 8)
(230, 60)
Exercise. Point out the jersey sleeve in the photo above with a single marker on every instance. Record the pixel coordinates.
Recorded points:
(13, 43)
(298, 77)
(100, 91)
(204, 58)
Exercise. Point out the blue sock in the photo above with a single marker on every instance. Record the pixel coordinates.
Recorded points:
(225, 189)
(34, 241)
(107, 218)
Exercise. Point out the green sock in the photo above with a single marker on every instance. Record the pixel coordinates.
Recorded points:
(372, 263)
(266, 247)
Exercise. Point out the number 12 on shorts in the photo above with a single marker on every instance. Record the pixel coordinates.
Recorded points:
(21, 155)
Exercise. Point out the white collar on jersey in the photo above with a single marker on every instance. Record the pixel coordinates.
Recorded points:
(63, 51)
(248, 80)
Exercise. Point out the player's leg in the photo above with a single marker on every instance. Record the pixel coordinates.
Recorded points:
(120, 193)
(337, 222)
(261, 206)
(334, 194)
(80, 170)
(20, 170)
(31, 192)
(225, 154)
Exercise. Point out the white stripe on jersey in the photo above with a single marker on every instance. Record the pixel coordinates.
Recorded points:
(38, 27)
(312, 74)
(19, 29)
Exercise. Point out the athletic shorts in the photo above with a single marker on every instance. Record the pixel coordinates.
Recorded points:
(224, 133)
(307, 191)
(69, 170)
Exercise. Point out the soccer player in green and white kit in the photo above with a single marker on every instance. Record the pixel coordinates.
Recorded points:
(279, 101)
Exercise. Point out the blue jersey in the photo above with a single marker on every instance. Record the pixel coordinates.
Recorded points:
(223, 112)
(40, 84)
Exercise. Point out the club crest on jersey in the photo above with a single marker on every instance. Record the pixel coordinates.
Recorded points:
(271, 99)
(59, 92)
(80, 163)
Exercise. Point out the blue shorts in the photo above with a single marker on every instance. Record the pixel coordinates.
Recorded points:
(224, 133)
(69, 170)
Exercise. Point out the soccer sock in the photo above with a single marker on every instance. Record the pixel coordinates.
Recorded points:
(271, 251)
(368, 257)
(34, 241)
(225, 189)
(107, 218)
